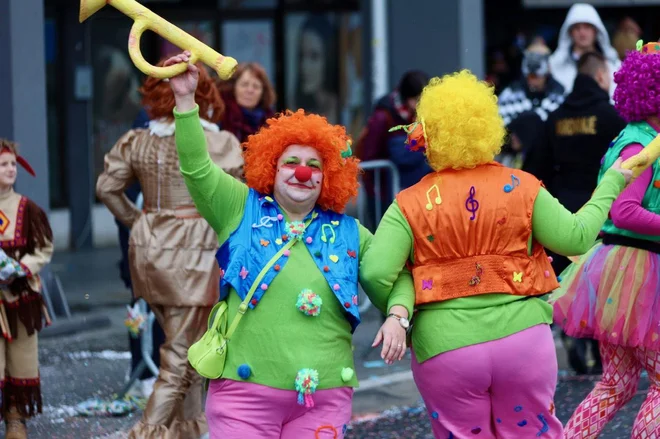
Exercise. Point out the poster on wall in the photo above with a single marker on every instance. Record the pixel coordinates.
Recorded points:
(250, 41)
(324, 68)
(312, 64)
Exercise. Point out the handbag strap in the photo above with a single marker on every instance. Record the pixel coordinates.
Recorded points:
(243, 307)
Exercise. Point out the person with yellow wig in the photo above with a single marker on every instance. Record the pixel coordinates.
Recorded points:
(473, 232)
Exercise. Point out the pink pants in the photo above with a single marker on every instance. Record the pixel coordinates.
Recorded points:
(237, 410)
(499, 389)
(622, 368)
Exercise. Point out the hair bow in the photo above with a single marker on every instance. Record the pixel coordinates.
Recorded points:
(416, 140)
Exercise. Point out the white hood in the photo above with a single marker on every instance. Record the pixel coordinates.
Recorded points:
(563, 66)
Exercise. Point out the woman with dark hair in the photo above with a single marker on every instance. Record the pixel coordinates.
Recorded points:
(317, 84)
(249, 98)
(171, 247)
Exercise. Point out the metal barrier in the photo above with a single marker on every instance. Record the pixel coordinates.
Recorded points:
(146, 348)
(377, 166)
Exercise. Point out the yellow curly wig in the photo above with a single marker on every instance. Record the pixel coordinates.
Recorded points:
(461, 121)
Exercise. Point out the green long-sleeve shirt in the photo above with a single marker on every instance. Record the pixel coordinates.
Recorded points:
(275, 339)
(452, 324)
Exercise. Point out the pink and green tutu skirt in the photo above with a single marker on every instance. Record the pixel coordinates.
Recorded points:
(611, 294)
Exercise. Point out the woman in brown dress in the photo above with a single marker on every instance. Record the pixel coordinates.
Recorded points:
(171, 248)
(26, 243)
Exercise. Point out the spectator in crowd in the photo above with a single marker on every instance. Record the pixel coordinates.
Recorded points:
(583, 31)
(537, 93)
(626, 37)
(249, 98)
(377, 142)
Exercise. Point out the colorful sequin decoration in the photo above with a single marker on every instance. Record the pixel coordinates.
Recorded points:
(476, 279)
(309, 303)
(295, 230)
(306, 382)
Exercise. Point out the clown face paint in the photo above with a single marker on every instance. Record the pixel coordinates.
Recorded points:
(299, 178)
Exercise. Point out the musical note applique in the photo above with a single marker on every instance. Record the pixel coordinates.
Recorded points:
(515, 181)
(545, 428)
(265, 221)
(471, 204)
(324, 238)
(437, 200)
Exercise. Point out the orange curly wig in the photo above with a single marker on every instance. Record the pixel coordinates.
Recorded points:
(264, 149)
(158, 98)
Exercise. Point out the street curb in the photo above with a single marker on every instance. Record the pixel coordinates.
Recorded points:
(75, 325)
(384, 380)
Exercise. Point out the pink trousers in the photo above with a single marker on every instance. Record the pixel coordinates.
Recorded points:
(500, 389)
(622, 368)
(237, 410)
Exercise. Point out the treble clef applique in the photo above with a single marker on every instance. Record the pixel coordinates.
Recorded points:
(265, 221)
(471, 204)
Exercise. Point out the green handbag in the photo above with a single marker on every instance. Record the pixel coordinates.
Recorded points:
(208, 355)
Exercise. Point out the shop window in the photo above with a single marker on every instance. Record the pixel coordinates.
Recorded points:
(250, 41)
(324, 66)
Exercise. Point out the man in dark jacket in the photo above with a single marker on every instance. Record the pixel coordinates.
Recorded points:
(577, 135)
(526, 103)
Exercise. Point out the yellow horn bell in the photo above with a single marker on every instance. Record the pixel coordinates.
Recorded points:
(146, 20)
(643, 159)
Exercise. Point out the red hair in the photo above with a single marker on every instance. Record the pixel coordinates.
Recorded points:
(264, 149)
(158, 98)
(267, 97)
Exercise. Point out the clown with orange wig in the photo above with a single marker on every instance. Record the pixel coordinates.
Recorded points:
(171, 247)
(473, 233)
(290, 254)
(26, 246)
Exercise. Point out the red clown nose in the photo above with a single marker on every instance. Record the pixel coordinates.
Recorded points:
(303, 173)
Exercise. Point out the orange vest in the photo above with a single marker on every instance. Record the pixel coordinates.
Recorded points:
(471, 231)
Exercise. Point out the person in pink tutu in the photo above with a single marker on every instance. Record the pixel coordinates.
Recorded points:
(612, 293)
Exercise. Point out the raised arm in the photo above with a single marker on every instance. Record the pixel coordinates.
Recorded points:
(219, 197)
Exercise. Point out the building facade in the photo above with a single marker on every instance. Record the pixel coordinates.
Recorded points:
(72, 90)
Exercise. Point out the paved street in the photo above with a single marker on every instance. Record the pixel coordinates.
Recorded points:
(93, 364)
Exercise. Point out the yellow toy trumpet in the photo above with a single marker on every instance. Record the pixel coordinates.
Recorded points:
(645, 158)
(146, 20)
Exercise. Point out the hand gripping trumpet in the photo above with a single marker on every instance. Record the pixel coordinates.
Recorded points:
(645, 158)
(147, 20)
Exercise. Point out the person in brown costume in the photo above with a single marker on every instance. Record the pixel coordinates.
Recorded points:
(171, 248)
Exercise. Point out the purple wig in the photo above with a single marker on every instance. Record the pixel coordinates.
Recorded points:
(637, 94)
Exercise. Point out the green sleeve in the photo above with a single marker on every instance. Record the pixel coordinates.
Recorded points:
(218, 196)
(568, 234)
(382, 269)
